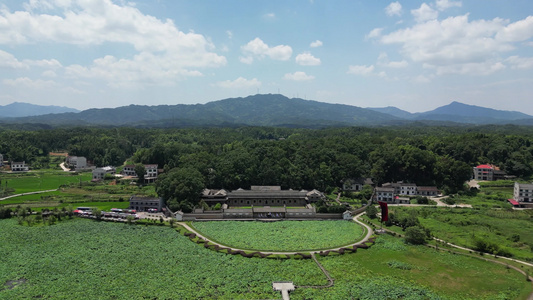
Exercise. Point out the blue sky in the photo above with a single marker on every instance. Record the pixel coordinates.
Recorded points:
(415, 55)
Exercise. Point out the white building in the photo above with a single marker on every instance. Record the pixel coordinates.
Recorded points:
(100, 173)
(523, 192)
(385, 194)
(77, 162)
(19, 167)
(150, 174)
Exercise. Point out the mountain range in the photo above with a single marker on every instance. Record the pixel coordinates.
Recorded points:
(19, 109)
(257, 110)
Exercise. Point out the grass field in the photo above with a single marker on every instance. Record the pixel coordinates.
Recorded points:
(283, 235)
(40, 181)
(97, 260)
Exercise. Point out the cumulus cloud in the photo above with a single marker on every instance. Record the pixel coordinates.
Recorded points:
(517, 62)
(360, 69)
(239, 83)
(374, 33)
(269, 16)
(383, 60)
(443, 5)
(307, 59)
(26, 82)
(173, 52)
(256, 48)
(457, 45)
(8, 60)
(316, 44)
(393, 9)
(424, 13)
(298, 76)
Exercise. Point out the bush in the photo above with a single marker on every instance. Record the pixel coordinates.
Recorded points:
(371, 211)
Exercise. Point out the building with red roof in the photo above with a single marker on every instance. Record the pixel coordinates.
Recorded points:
(488, 172)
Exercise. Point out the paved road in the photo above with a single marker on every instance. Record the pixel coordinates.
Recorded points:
(369, 233)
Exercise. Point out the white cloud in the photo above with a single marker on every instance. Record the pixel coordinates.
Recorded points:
(421, 79)
(49, 73)
(257, 48)
(518, 31)
(307, 59)
(383, 60)
(316, 44)
(229, 34)
(8, 60)
(443, 5)
(269, 16)
(482, 68)
(239, 83)
(163, 52)
(455, 41)
(26, 82)
(424, 13)
(393, 9)
(517, 62)
(360, 69)
(298, 76)
(374, 33)
(143, 69)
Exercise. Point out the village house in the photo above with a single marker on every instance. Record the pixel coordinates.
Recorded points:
(355, 185)
(146, 203)
(401, 188)
(150, 174)
(523, 195)
(100, 173)
(488, 172)
(385, 194)
(76, 162)
(19, 167)
(427, 191)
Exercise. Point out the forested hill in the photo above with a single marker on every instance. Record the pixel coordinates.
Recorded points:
(273, 110)
(462, 113)
(257, 110)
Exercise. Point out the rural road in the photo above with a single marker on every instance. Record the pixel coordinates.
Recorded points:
(369, 233)
(29, 193)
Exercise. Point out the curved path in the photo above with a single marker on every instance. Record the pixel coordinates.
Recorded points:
(29, 193)
(369, 233)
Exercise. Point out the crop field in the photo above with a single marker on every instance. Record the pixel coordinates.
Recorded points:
(40, 181)
(282, 235)
(136, 262)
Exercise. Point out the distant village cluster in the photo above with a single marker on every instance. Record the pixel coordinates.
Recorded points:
(272, 201)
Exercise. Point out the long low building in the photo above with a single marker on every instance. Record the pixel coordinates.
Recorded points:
(261, 196)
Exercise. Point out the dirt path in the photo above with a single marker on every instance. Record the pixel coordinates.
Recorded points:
(367, 236)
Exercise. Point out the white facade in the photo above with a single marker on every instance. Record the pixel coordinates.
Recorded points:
(99, 173)
(523, 192)
(19, 167)
(385, 194)
(77, 162)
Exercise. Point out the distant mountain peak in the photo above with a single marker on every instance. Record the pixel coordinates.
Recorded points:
(23, 109)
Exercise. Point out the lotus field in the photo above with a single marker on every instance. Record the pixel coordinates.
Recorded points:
(282, 235)
(84, 259)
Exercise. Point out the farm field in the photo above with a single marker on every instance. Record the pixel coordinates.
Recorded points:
(509, 229)
(282, 235)
(135, 262)
(40, 181)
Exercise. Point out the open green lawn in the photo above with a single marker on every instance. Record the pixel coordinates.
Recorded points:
(282, 235)
(84, 259)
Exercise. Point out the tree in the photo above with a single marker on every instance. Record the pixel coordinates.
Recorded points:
(140, 170)
(371, 211)
(180, 188)
(97, 213)
(415, 235)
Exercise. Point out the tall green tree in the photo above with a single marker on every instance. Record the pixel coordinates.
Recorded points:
(181, 188)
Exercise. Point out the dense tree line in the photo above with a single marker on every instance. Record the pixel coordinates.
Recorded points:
(293, 158)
